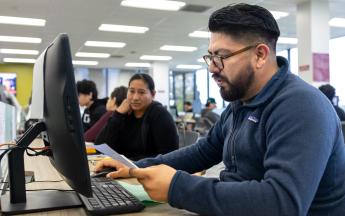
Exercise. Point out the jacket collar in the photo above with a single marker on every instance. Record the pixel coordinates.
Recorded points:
(271, 87)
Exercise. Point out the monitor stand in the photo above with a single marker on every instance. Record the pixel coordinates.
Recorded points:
(18, 201)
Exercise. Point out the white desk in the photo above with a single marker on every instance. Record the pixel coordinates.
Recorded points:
(43, 170)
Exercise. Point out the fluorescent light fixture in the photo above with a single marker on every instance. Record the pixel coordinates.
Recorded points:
(279, 14)
(22, 21)
(337, 22)
(20, 39)
(201, 60)
(123, 28)
(200, 34)
(178, 48)
(189, 67)
(137, 64)
(105, 44)
(19, 60)
(92, 55)
(154, 4)
(19, 51)
(287, 40)
(76, 62)
(155, 58)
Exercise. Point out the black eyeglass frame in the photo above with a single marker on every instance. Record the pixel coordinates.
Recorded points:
(219, 63)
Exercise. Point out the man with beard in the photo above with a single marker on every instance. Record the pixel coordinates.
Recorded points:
(279, 138)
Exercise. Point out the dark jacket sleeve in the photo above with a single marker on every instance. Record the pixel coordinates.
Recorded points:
(164, 132)
(111, 131)
(91, 134)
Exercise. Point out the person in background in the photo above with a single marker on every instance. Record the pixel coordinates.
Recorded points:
(208, 113)
(329, 91)
(187, 106)
(279, 137)
(115, 100)
(140, 127)
(87, 96)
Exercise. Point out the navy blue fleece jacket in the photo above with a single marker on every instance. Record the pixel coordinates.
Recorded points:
(284, 155)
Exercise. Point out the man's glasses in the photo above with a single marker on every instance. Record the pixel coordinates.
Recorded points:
(218, 59)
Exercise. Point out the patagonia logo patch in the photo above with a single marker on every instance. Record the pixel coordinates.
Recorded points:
(253, 119)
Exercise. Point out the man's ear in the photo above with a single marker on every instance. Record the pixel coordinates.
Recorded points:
(262, 52)
(153, 93)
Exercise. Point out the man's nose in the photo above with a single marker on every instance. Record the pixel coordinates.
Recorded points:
(212, 68)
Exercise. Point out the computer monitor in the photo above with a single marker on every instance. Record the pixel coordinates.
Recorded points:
(63, 131)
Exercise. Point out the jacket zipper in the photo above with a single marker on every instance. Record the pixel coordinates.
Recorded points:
(233, 167)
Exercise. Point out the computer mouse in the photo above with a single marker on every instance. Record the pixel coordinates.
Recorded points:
(103, 172)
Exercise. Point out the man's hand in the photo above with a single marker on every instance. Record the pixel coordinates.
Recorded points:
(122, 171)
(155, 180)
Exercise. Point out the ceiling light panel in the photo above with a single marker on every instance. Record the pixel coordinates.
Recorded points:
(22, 21)
(287, 40)
(201, 60)
(20, 39)
(123, 28)
(91, 63)
(178, 48)
(137, 64)
(200, 34)
(154, 4)
(19, 51)
(92, 55)
(19, 60)
(279, 14)
(105, 44)
(155, 58)
(337, 22)
(189, 67)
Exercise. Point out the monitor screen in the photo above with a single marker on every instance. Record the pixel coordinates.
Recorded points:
(9, 81)
(63, 131)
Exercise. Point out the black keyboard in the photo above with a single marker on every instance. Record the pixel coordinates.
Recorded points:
(109, 197)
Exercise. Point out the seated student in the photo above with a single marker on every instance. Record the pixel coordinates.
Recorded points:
(116, 98)
(187, 106)
(329, 91)
(208, 113)
(140, 127)
(278, 137)
(87, 96)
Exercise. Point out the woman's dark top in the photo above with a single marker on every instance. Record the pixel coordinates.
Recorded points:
(155, 133)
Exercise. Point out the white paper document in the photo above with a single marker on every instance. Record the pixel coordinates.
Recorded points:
(105, 149)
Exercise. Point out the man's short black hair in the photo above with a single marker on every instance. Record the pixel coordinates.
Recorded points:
(328, 90)
(86, 87)
(187, 103)
(120, 93)
(247, 23)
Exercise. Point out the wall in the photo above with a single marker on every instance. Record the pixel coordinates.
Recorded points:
(24, 80)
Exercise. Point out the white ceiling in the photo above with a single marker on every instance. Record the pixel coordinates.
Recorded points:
(80, 19)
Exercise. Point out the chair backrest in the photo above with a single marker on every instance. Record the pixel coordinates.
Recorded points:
(187, 138)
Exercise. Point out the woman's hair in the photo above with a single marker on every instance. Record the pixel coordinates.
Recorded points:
(146, 78)
(120, 93)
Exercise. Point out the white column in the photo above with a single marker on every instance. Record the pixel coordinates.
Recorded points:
(313, 35)
(160, 75)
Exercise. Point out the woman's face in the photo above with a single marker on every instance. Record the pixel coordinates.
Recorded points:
(139, 95)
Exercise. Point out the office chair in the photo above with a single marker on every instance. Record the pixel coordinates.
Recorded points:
(187, 138)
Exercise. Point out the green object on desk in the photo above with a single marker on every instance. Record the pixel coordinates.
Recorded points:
(138, 191)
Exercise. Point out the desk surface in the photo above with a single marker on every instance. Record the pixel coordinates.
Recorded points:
(44, 171)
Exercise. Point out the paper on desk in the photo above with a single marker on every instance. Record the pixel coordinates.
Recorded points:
(138, 191)
(105, 149)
